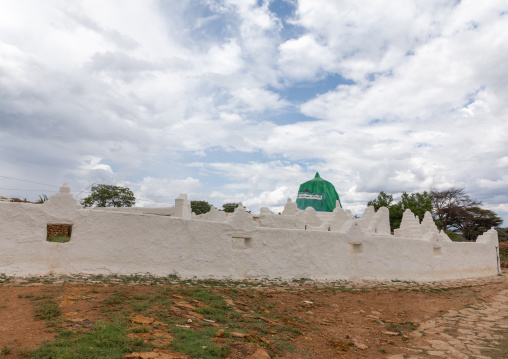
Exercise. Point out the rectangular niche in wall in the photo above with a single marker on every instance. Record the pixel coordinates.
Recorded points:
(437, 251)
(355, 248)
(60, 233)
(242, 242)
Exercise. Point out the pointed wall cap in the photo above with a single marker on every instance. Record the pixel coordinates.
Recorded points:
(65, 188)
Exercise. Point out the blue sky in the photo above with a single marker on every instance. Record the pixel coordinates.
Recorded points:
(243, 100)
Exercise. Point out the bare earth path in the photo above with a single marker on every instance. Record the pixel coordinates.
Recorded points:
(396, 320)
(465, 332)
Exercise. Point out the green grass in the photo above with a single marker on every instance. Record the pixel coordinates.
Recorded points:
(503, 255)
(4, 278)
(117, 298)
(141, 329)
(6, 350)
(108, 339)
(282, 346)
(105, 341)
(58, 239)
(402, 327)
(198, 343)
(47, 309)
(140, 306)
(455, 237)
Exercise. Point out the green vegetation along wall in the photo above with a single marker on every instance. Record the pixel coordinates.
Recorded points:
(318, 194)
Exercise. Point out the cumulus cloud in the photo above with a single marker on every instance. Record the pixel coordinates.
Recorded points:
(402, 96)
(161, 192)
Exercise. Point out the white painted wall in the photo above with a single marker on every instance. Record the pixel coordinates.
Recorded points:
(107, 242)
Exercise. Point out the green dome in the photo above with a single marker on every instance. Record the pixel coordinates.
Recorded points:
(318, 194)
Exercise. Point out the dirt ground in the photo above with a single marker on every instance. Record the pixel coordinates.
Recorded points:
(355, 320)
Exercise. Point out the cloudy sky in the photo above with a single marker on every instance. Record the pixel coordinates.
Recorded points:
(243, 100)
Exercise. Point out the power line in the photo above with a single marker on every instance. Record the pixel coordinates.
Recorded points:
(34, 190)
(19, 179)
(85, 189)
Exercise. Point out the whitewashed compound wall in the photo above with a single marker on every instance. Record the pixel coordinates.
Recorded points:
(296, 244)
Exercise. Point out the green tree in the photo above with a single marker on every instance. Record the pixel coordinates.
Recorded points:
(382, 200)
(200, 207)
(418, 203)
(104, 195)
(229, 207)
(386, 200)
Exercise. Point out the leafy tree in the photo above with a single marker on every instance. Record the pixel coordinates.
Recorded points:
(229, 207)
(200, 207)
(418, 203)
(104, 195)
(385, 200)
(382, 200)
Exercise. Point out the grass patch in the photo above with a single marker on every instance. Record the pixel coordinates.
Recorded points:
(402, 327)
(455, 237)
(117, 298)
(140, 306)
(282, 347)
(6, 350)
(47, 309)
(198, 343)
(4, 278)
(503, 255)
(105, 341)
(141, 329)
(256, 315)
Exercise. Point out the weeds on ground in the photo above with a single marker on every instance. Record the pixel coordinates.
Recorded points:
(170, 307)
(499, 351)
(402, 327)
(198, 343)
(6, 350)
(106, 340)
(47, 309)
(4, 278)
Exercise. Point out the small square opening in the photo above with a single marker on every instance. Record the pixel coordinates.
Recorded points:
(355, 248)
(59, 233)
(242, 242)
(437, 251)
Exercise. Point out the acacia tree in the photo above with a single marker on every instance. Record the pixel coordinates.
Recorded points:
(473, 221)
(455, 210)
(449, 205)
(104, 195)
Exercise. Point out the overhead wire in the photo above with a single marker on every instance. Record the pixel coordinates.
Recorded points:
(19, 179)
(80, 192)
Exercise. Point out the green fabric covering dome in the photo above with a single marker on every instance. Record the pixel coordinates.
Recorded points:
(318, 194)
